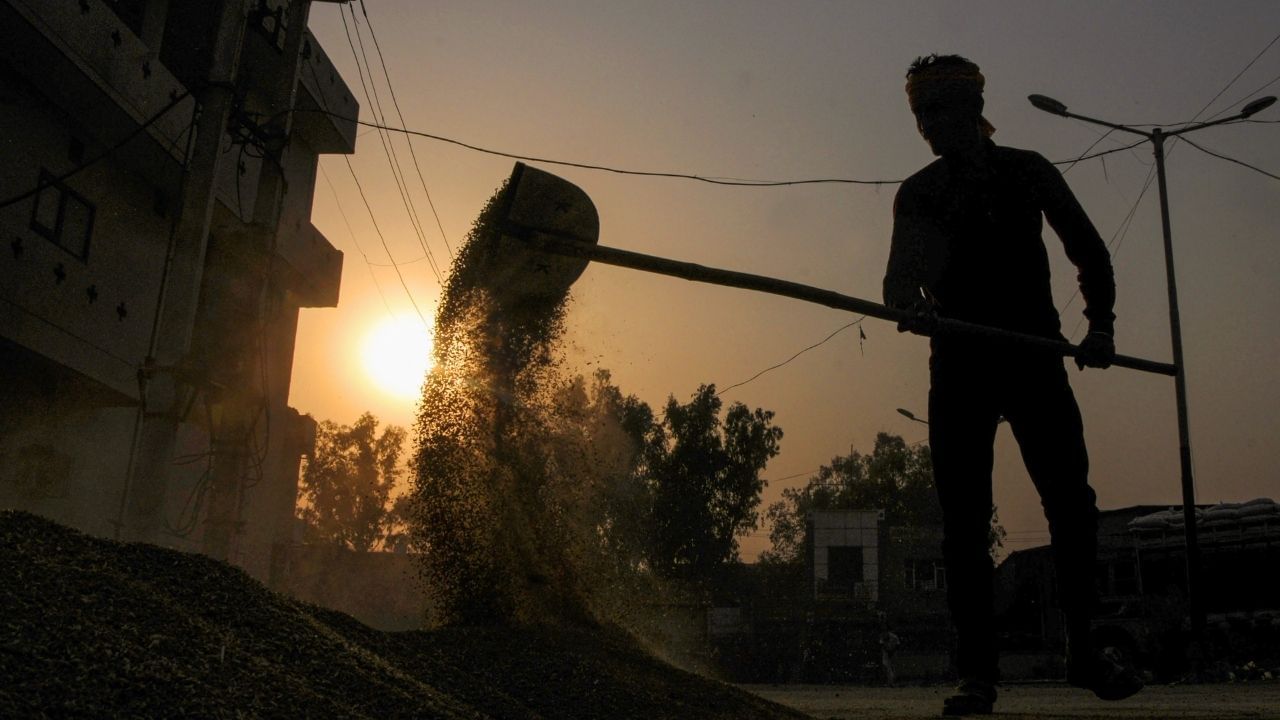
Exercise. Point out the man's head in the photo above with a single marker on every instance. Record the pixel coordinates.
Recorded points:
(945, 93)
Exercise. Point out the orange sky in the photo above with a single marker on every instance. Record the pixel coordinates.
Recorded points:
(766, 90)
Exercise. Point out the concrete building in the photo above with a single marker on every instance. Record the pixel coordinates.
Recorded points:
(159, 158)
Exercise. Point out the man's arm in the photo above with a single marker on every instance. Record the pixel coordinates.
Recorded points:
(1087, 251)
(905, 274)
(906, 278)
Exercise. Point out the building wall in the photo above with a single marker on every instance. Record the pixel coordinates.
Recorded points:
(90, 311)
(148, 371)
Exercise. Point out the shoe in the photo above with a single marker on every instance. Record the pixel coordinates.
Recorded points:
(973, 697)
(1108, 676)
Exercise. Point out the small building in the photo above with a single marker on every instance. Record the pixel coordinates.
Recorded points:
(822, 622)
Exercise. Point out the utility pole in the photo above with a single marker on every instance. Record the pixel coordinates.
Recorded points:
(1195, 588)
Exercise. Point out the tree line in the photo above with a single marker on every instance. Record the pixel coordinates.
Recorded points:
(677, 488)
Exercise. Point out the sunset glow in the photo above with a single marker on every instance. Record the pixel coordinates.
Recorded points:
(397, 355)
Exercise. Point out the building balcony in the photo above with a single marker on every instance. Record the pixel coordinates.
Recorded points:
(313, 266)
(327, 111)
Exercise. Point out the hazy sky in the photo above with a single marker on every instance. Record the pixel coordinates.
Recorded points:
(795, 90)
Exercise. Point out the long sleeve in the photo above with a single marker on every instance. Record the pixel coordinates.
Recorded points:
(905, 273)
(1084, 247)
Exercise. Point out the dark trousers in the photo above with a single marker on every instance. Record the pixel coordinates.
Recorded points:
(972, 388)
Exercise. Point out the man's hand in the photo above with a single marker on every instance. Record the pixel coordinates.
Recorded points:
(1097, 350)
(922, 321)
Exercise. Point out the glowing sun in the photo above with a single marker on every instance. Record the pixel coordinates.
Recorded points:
(397, 355)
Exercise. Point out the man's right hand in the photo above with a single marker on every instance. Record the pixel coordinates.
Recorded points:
(1097, 350)
(922, 319)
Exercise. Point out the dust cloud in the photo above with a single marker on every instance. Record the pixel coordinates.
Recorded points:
(515, 458)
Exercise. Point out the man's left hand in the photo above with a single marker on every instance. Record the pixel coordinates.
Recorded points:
(1097, 350)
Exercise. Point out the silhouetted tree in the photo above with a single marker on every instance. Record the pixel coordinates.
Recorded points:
(623, 441)
(704, 481)
(347, 484)
(895, 477)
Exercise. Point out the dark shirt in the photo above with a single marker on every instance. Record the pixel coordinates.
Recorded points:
(972, 239)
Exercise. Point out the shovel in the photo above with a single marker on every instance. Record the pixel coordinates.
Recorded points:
(551, 232)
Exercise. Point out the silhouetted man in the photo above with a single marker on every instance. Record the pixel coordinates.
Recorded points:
(967, 245)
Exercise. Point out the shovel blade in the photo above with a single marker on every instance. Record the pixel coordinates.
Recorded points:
(540, 203)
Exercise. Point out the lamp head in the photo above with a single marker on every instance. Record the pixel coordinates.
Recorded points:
(1260, 104)
(1048, 104)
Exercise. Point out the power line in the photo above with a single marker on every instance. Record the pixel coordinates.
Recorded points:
(1234, 79)
(1250, 94)
(714, 180)
(377, 230)
(395, 102)
(1117, 240)
(368, 265)
(793, 357)
(619, 171)
(793, 477)
(385, 247)
(388, 146)
(1230, 159)
(1072, 163)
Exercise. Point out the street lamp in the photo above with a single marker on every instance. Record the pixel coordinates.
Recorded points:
(1157, 136)
(911, 416)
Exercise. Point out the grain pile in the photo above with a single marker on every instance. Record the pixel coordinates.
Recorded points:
(94, 628)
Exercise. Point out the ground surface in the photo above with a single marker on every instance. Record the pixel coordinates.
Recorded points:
(91, 629)
(1038, 701)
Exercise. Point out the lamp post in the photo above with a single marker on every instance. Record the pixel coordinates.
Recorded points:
(911, 416)
(1195, 599)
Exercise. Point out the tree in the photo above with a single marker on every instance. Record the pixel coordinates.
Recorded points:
(347, 484)
(896, 478)
(625, 442)
(705, 483)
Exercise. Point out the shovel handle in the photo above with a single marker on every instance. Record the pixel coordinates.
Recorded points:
(700, 273)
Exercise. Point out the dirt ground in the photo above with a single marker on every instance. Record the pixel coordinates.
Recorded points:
(1047, 701)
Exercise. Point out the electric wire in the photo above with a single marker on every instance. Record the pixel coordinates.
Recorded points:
(1255, 59)
(1245, 97)
(1086, 156)
(1114, 244)
(378, 230)
(1220, 156)
(1118, 238)
(397, 170)
(368, 265)
(793, 357)
(715, 180)
(396, 103)
(605, 168)
(374, 103)
(385, 246)
(388, 144)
